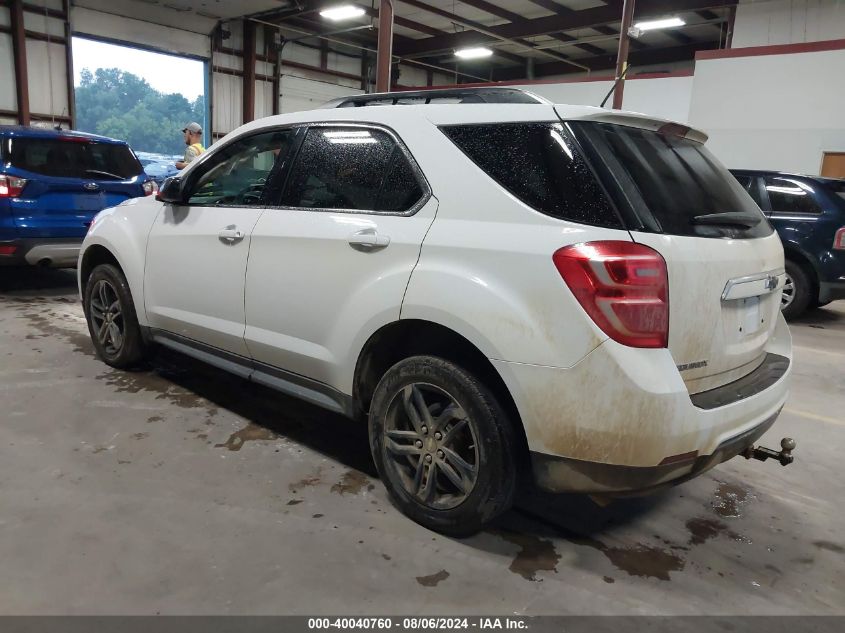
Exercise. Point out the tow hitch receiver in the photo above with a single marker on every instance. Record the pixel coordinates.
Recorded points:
(761, 453)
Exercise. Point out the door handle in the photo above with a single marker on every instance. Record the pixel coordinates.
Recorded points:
(368, 240)
(230, 235)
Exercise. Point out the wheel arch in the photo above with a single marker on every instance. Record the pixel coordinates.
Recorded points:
(797, 255)
(401, 339)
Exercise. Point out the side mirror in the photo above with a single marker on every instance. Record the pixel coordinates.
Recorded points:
(171, 191)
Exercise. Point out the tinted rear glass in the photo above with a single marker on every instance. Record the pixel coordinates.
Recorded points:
(75, 159)
(669, 181)
(540, 164)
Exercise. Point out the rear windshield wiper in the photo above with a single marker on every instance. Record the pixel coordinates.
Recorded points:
(104, 173)
(729, 218)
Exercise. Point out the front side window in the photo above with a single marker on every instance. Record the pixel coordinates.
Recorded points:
(791, 197)
(75, 157)
(539, 164)
(352, 168)
(244, 173)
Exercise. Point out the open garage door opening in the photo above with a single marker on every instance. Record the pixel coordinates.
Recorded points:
(143, 97)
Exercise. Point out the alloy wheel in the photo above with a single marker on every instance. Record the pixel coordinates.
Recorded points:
(788, 295)
(107, 317)
(431, 446)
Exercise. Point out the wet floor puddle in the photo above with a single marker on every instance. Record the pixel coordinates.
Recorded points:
(434, 579)
(250, 433)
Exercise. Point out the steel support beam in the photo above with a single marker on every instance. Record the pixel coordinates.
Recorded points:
(622, 56)
(19, 52)
(71, 95)
(385, 45)
(249, 58)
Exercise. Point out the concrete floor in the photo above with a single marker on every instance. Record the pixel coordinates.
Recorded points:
(181, 490)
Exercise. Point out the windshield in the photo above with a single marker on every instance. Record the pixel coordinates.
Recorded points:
(74, 158)
(671, 184)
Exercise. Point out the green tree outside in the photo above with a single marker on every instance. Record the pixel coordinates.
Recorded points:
(121, 105)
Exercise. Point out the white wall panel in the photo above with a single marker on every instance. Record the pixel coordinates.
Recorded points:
(263, 99)
(302, 55)
(144, 34)
(788, 22)
(663, 97)
(5, 17)
(228, 103)
(41, 23)
(299, 92)
(47, 78)
(772, 111)
(8, 97)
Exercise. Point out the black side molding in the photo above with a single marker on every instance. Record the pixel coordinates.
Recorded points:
(767, 374)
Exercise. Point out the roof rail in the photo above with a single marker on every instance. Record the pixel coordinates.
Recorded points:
(443, 95)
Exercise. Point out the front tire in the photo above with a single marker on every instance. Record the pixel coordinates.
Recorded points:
(112, 322)
(443, 445)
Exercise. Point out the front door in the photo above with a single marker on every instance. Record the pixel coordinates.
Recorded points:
(197, 251)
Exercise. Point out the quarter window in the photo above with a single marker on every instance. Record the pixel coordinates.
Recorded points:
(352, 168)
(539, 164)
(244, 173)
(791, 196)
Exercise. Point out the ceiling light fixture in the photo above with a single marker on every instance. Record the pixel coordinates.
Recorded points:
(345, 12)
(659, 24)
(473, 53)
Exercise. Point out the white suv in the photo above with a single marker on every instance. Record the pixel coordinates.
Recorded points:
(501, 285)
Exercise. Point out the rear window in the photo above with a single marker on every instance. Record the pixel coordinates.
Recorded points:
(837, 187)
(74, 159)
(539, 164)
(670, 182)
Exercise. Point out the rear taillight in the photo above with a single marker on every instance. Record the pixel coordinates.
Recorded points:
(839, 239)
(623, 286)
(11, 186)
(150, 187)
(8, 250)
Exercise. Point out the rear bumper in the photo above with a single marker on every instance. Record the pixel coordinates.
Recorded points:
(49, 252)
(561, 474)
(832, 290)
(622, 420)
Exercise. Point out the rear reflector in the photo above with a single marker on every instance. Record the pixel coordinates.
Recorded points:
(839, 240)
(8, 250)
(623, 286)
(11, 186)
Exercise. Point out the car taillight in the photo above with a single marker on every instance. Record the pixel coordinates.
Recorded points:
(623, 286)
(11, 186)
(839, 239)
(150, 187)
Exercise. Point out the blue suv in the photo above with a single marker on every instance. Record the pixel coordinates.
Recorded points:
(808, 213)
(52, 184)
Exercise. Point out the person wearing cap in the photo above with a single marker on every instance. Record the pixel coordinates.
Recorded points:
(193, 139)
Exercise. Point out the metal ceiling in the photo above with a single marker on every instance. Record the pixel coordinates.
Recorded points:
(558, 36)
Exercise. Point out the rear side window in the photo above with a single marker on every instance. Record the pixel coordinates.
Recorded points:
(74, 159)
(792, 197)
(670, 182)
(539, 164)
(352, 168)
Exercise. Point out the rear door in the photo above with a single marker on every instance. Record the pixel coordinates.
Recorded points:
(724, 260)
(69, 179)
(331, 261)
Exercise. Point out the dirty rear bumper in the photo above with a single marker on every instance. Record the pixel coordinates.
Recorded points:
(563, 474)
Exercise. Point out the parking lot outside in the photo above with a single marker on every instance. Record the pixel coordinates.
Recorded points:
(182, 490)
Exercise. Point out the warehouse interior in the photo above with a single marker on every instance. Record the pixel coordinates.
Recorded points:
(160, 492)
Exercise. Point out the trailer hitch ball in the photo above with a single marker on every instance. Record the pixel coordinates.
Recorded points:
(784, 456)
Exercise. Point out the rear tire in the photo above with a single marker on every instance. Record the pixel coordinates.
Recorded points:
(112, 322)
(443, 445)
(797, 291)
